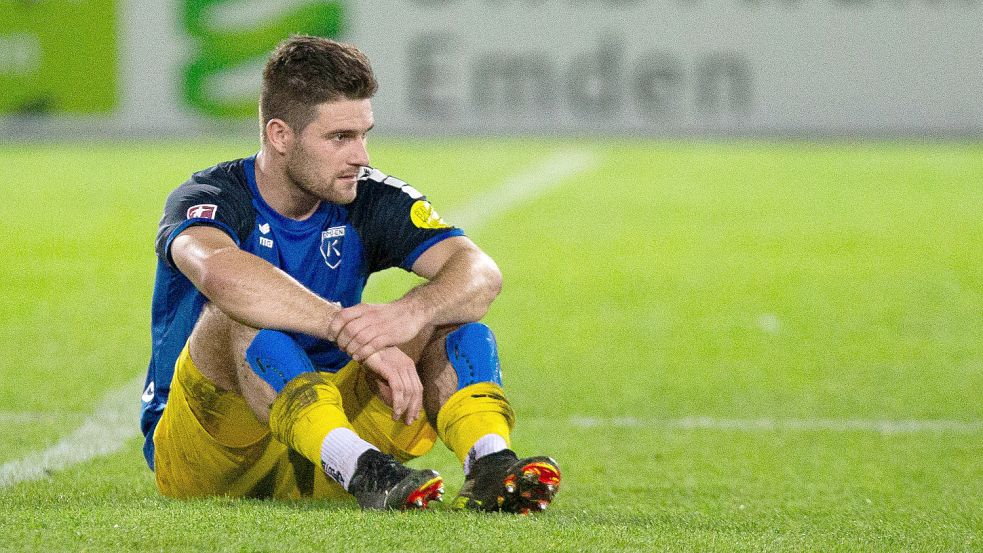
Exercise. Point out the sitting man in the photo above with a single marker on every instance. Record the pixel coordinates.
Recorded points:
(268, 376)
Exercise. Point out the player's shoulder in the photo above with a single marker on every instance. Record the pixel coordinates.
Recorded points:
(228, 175)
(373, 184)
(224, 183)
(391, 202)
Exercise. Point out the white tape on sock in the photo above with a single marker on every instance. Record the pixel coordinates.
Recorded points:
(486, 445)
(340, 451)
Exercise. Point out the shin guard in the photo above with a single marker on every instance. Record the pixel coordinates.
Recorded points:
(277, 358)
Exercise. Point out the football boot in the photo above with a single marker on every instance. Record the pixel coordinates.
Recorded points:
(503, 482)
(382, 482)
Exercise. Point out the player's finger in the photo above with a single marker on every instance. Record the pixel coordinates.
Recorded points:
(406, 412)
(365, 343)
(382, 367)
(374, 316)
(348, 338)
(399, 396)
(416, 403)
(346, 316)
(339, 321)
(419, 395)
(414, 392)
(369, 349)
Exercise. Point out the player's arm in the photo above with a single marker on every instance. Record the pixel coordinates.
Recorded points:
(246, 287)
(255, 293)
(462, 283)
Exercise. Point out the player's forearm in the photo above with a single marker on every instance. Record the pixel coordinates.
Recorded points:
(255, 293)
(461, 292)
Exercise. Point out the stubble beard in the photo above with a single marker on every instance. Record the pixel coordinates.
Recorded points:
(299, 171)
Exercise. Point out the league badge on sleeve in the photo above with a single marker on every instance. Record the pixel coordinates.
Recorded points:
(202, 211)
(423, 215)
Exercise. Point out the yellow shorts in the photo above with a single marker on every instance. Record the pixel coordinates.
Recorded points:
(208, 441)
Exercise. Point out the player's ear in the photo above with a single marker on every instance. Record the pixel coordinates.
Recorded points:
(279, 135)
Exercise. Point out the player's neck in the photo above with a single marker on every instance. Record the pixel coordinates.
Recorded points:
(277, 190)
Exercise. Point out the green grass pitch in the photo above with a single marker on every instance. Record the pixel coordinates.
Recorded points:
(803, 286)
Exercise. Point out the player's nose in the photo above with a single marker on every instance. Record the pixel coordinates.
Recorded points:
(359, 153)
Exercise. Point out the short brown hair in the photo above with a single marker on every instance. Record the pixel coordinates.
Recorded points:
(305, 71)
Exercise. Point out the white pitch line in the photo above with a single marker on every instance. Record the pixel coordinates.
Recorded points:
(102, 433)
(528, 185)
(882, 426)
(115, 420)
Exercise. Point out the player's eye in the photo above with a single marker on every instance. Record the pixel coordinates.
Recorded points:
(347, 136)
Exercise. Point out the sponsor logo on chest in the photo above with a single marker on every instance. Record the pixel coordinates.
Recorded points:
(265, 241)
(331, 240)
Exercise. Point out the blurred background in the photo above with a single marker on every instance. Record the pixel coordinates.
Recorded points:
(803, 68)
(741, 242)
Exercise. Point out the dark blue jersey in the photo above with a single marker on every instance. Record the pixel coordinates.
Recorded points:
(332, 253)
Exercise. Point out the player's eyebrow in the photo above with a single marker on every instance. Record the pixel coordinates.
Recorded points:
(348, 131)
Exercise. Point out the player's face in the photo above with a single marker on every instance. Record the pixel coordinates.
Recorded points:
(326, 157)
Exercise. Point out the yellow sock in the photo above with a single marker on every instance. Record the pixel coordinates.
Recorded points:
(307, 408)
(471, 413)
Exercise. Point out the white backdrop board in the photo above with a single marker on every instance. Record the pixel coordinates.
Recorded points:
(648, 67)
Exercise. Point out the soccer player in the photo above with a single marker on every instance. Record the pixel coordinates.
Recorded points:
(268, 376)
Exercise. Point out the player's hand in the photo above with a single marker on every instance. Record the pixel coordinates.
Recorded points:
(365, 329)
(397, 373)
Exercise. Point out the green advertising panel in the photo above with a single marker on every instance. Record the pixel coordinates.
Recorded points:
(58, 56)
(227, 49)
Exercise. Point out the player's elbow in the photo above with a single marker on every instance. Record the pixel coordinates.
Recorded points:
(208, 257)
(491, 280)
(211, 283)
(217, 277)
(494, 280)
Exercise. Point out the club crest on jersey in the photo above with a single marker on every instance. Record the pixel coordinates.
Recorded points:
(202, 211)
(331, 246)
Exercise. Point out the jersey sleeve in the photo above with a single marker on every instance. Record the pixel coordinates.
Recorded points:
(213, 198)
(395, 222)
